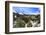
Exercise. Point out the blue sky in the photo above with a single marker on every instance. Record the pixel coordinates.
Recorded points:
(26, 10)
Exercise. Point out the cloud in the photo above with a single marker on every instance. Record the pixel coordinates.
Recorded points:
(26, 10)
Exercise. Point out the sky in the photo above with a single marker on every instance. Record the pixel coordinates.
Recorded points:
(26, 10)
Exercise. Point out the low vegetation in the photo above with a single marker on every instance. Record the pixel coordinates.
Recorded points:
(21, 20)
